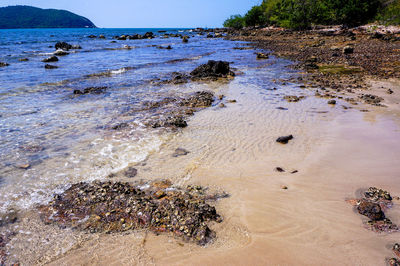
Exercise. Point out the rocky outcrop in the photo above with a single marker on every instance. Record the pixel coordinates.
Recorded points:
(213, 69)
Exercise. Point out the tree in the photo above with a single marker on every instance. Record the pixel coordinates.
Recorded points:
(255, 17)
(235, 21)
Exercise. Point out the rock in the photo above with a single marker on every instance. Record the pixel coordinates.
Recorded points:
(120, 126)
(284, 187)
(371, 99)
(396, 249)
(50, 59)
(282, 108)
(117, 207)
(148, 35)
(294, 172)
(185, 39)
(92, 36)
(333, 102)
(221, 105)
(9, 218)
(63, 46)
(47, 66)
(389, 91)
(121, 38)
(212, 69)
(60, 52)
(372, 210)
(180, 152)
(284, 139)
(377, 194)
(199, 99)
(23, 59)
(232, 101)
(101, 36)
(293, 98)
(394, 262)
(174, 121)
(279, 169)
(130, 172)
(220, 97)
(348, 50)
(2, 64)
(262, 56)
(91, 90)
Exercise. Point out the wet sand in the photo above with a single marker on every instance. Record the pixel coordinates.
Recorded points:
(337, 152)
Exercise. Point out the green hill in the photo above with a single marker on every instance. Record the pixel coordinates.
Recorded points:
(17, 17)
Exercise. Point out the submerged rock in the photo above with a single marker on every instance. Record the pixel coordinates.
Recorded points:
(117, 207)
(371, 99)
(180, 152)
(60, 52)
(91, 90)
(2, 64)
(262, 56)
(47, 66)
(293, 98)
(130, 172)
(50, 59)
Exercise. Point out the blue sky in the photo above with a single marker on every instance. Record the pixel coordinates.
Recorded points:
(147, 13)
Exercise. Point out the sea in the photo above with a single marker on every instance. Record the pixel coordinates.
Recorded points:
(51, 138)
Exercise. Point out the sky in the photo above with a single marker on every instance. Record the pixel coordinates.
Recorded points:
(147, 13)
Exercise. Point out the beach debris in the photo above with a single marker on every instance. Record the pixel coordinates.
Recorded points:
(284, 139)
(117, 207)
(180, 152)
(50, 59)
(293, 98)
(91, 90)
(373, 205)
(48, 66)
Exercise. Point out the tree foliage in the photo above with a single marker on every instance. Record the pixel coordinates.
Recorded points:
(301, 14)
(235, 21)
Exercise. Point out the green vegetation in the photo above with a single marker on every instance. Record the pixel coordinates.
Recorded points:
(14, 17)
(301, 14)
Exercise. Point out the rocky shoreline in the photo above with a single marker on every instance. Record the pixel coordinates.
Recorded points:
(338, 61)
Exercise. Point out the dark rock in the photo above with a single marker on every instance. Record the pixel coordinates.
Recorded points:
(377, 194)
(389, 91)
(199, 99)
(120, 126)
(171, 121)
(130, 172)
(180, 152)
(348, 50)
(47, 66)
(294, 172)
(23, 59)
(293, 98)
(101, 36)
(262, 56)
(2, 64)
(63, 46)
(91, 90)
(372, 210)
(372, 99)
(148, 35)
(51, 59)
(212, 69)
(92, 36)
(282, 108)
(60, 52)
(279, 169)
(185, 39)
(333, 102)
(117, 207)
(284, 139)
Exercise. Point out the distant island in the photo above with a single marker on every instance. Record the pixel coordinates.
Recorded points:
(18, 17)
